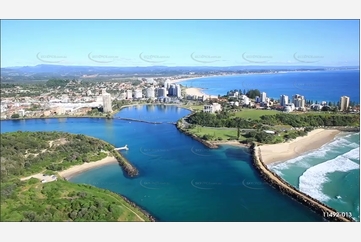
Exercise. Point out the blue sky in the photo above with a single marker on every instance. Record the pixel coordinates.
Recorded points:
(179, 42)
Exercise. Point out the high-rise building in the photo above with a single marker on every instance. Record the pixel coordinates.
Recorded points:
(263, 97)
(162, 92)
(178, 91)
(167, 84)
(150, 92)
(129, 94)
(283, 100)
(344, 103)
(138, 93)
(299, 101)
(172, 90)
(122, 96)
(107, 103)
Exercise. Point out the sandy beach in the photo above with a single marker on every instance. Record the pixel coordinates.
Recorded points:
(185, 79)
(198, 77)
(72, 171)
(193, 91)
(286, 151)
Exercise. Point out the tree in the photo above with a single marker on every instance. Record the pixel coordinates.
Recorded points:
(325, 108)
(253, 93)
(15, 115)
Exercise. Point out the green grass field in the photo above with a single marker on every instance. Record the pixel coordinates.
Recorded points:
(217, 133)
(254, 113)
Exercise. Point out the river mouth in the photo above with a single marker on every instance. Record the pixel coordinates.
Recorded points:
(175, 183)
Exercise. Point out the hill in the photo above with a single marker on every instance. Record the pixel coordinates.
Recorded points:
(27, 153)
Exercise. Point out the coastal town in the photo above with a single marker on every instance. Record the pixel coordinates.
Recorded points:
(180, 121)
(78, 98)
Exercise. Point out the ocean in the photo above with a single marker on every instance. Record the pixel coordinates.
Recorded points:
(318, 86)
(330, 174)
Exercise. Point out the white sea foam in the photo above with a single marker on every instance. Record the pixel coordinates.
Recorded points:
(312, 179)
(353, 154)
(321, 152)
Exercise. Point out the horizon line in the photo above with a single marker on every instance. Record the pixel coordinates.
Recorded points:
(270, 65)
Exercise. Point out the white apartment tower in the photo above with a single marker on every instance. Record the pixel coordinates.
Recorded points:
(138, 94)
(178, 91)
(150, 92)
(129, 94)
(263, 97)
(344, 103)
(107, 103)
(299, 101)
(283, 100)
(167, 84)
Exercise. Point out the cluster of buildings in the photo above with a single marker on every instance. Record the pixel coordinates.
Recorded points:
(297, 102)
(77, 98)
(152, 90)
(41, 109)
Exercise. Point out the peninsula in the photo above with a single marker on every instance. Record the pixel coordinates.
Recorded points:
(34, 168)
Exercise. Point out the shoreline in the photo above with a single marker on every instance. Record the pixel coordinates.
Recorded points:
(284, 187)
(195, 91)
(278, 153)
(78, 169)
(193, 78)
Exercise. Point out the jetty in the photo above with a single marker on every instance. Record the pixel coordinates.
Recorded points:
(122, 148)
(138, 120)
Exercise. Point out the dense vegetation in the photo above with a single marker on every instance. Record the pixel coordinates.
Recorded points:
(252, 93)
(266, 138)
(28, 153)
(118, 104)
(63, 201)
(57, 83)
(226, 119)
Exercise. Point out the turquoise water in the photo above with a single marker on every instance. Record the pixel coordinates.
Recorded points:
(333, 84)
(331, 171)
(180, 179)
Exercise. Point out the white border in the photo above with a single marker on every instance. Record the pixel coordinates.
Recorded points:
(185, 9)
(156, 9)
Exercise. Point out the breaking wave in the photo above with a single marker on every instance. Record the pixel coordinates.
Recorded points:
(312, 180)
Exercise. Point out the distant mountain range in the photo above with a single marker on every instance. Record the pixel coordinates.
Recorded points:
(45, 71)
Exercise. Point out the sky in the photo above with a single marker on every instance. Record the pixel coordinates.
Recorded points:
(180, 42)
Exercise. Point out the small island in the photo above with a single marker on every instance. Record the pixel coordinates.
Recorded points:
(34, 168)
